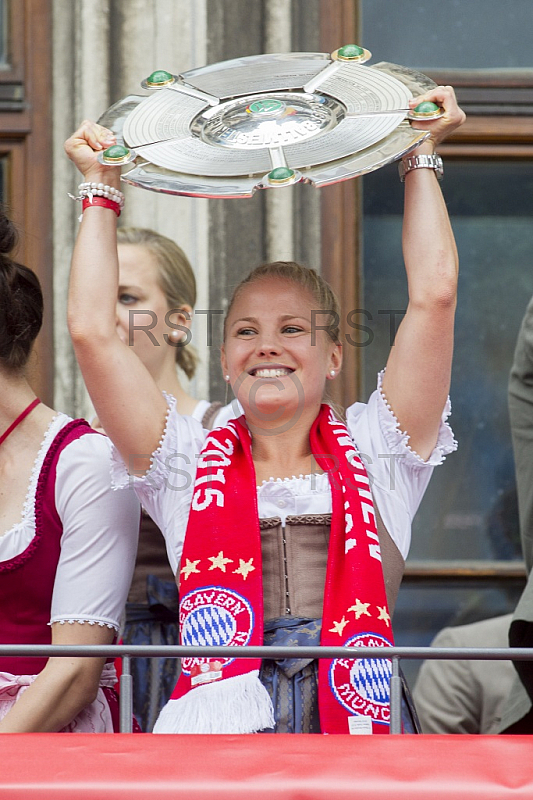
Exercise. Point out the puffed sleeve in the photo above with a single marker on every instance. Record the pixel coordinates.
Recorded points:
(166, 490)
(399, 476)
(99, 540)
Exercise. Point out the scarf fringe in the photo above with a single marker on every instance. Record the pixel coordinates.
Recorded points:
(240, 704)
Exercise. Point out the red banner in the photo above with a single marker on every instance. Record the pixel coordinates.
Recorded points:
(261, 767)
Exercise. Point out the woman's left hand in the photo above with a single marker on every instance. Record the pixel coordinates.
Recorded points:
(417, 379)
(453, 117)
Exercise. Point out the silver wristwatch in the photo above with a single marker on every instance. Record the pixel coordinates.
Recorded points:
(421, 161)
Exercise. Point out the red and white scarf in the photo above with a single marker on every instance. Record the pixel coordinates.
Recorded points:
(222, 593)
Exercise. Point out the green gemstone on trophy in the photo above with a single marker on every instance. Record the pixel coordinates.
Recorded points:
(269, 106)
(426, 109)
(281, 175)
(350, 51)
(159, 78)
(116, 152)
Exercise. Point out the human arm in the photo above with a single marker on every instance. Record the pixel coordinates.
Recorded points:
(64, 687)
(98, 545)
(520, 398)
(521, 415)
(128, 403)
(417, 378)
(446, 695)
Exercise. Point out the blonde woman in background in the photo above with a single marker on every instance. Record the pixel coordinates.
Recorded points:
(155, 301)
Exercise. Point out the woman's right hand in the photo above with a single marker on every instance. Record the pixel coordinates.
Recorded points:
(83, 147)
(452, 118)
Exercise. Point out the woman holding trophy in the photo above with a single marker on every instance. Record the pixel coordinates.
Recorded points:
(276, 530)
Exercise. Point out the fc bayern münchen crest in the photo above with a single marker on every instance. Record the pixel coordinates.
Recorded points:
(213, 617)
(362, 686)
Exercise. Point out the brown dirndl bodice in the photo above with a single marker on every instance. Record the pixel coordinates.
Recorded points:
(295, 559)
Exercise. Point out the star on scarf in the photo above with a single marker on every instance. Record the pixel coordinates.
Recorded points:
(360, 608)
(338, 627)
(219, 562)
(384, 615)
(245, 567)
(189, 568)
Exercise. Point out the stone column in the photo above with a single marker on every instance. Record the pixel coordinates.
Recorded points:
(80, 90)
(279, 203)
(102, 50)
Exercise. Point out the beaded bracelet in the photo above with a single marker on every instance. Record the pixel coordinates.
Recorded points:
(101, 190)
(90, 190)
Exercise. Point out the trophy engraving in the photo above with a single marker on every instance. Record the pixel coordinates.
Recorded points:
(265, 122)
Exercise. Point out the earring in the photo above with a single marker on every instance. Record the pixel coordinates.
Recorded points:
(175, 336)
(332, 373)
(226, 378)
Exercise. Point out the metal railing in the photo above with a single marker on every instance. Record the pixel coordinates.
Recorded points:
(394, 654)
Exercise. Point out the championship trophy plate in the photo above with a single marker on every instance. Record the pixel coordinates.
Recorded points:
(265, 122)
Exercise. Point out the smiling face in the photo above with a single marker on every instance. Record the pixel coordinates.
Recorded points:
(139, 291)
(277, 360)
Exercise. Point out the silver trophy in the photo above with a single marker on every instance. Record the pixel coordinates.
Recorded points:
(265, 122)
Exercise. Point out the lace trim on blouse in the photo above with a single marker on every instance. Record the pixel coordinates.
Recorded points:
(120, 477)
(296, 496)
(25, 528)
(82, 621)
(315, 482)
(397, 439)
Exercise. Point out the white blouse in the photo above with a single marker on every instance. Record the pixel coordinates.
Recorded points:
(398, 475)
(100, 531)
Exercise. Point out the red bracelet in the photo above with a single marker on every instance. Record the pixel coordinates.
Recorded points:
(104, 202)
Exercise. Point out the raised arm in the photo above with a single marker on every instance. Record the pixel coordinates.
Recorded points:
(129, 405)
(417, 378)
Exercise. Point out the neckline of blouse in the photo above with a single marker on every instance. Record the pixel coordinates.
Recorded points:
(27, 516)
(316, 476)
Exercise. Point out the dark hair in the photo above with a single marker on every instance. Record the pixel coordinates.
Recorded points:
(175, 277)
(21, 303)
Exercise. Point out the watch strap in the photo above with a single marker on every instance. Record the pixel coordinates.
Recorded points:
(421, 161)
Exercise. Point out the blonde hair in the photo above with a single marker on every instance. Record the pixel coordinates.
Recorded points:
(308, 279)
(175, 278)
